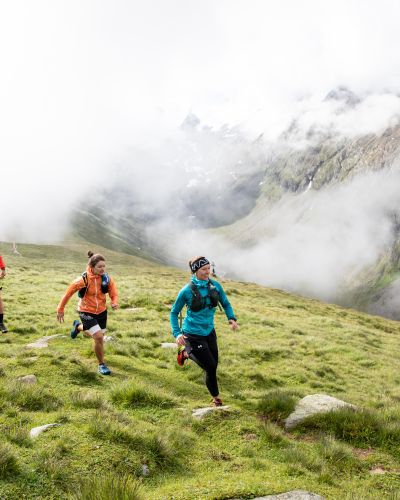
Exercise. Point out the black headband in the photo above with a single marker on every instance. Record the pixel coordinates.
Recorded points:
(197, 264)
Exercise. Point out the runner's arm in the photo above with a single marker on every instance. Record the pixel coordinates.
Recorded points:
(113, 293)
(226, 304)
(73, 288)
(175, 310)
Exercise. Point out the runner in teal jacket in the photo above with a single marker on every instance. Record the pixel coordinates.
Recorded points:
(201, 322)
(197, 340)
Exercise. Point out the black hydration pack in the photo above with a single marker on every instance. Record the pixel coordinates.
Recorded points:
(105, 281)
(199, 302)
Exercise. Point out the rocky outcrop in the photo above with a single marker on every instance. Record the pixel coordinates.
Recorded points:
(331, 160)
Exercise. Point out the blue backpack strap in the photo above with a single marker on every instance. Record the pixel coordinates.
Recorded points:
(105, 281)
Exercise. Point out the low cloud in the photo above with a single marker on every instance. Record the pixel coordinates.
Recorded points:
(314, 243)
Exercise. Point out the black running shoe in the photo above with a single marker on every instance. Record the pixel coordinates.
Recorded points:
(3, 328)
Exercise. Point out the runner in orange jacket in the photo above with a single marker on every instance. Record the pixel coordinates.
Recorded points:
(92, 305)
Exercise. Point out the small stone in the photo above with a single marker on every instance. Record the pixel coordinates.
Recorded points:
(42, 428)
(250, 437)
(378, 470)
(28, 379)
(108, 338)
(202, 412)
(145, 470)
(169, 345)
(293, 495)
(43, 342)
(38, 345)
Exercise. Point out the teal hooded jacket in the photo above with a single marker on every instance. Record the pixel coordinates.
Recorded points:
(201, 322)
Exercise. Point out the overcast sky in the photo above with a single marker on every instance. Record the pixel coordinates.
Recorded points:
(83, 83)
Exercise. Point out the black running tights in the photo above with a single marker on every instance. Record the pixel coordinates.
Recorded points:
(203, 350)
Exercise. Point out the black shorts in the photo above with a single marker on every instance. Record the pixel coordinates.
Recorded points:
(92, 323)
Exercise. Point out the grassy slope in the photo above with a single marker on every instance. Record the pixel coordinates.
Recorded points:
(142, 413)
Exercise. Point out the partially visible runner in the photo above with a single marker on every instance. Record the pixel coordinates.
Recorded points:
(92, 306)
(3, 327)
(197, 340)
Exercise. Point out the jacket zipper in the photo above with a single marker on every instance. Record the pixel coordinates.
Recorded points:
(97, 302)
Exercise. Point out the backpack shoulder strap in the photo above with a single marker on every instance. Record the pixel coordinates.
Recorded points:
(213, 283)
(85, 278)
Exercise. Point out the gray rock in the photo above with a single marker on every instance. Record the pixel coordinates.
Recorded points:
(169, 345)
(28, 379)
(145, 470)
(310, 405)
(43, 342)
(293, 495)
(42, 428)
(202, 412)
(39, 344)
(108, 338)
(32, 359)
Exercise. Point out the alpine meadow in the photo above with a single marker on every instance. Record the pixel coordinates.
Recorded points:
(133, 436)
(200, 250)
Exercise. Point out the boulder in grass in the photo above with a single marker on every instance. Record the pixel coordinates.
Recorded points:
(202, 412)
(293, 495)
(313, 404)
(42, 428)
(28, 379)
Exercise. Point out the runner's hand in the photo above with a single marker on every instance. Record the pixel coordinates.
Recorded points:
(2, 273)
(233, 324)
(180, 340)
(114, 306)
(60, 317)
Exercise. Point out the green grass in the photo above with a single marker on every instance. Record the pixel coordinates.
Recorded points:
(360, 428)
(8, 461)
(112, 428)
(276, 405)
(108, 486)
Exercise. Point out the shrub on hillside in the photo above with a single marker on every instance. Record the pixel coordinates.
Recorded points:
(85, 399)
(276, 405)
(18, 435)
(8, 461)
(29, 397)
(338, 455)
(153, 449)
(359, 428)
(84, 375)
(108, 486)
(133, 394)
